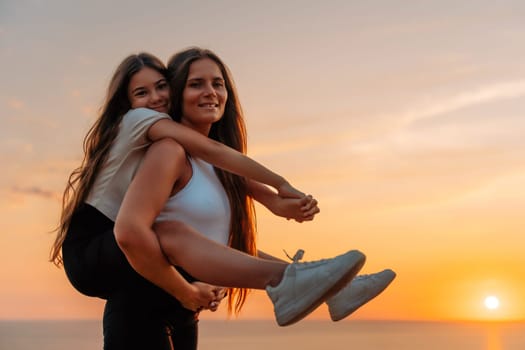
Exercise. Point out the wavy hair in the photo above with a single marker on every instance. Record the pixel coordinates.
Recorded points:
(230, 130)
(98, 141)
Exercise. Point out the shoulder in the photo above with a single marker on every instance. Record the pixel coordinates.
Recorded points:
(164, 160)
(142, 115)
(167, 149)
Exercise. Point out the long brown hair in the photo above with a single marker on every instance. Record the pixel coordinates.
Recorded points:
(230, 130)
(98, 141)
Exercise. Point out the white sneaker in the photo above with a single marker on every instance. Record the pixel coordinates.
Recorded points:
(361, 290)
(305, 286)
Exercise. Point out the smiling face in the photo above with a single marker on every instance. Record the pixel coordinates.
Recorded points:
(149, 89)
(204, 95)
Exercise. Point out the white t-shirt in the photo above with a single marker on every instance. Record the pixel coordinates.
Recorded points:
(202, 204)
(124, 158)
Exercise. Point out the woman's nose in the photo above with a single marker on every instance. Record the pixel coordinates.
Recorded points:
(209, 90)
(155, 95)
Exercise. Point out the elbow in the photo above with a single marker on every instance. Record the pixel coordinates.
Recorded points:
(126, 235)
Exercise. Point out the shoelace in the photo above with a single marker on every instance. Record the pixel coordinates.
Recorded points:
(297, 256)
(300, 253)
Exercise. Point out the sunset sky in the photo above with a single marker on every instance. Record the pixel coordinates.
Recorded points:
(405, 119)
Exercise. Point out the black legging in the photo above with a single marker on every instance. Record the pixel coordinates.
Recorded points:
(137, 314)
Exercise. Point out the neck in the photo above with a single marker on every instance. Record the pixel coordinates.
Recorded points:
(202, 129)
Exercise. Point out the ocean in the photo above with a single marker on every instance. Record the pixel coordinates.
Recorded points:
(306, 335)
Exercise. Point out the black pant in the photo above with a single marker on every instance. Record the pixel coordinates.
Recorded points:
(131, 324)
(138, 315)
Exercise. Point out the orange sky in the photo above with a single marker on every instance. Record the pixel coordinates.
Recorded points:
(406, 123)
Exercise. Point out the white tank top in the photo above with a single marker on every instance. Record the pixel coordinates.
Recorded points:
(202, 204)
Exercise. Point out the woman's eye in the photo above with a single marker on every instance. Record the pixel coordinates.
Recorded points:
(140, 93)
(162, 86)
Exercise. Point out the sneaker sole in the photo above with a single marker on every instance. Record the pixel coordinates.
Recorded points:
(336, 287)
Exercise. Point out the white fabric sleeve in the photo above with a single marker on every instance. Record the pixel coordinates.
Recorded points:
(136, 123)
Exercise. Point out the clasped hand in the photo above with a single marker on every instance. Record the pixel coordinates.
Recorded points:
(204, 297)
(295, 205)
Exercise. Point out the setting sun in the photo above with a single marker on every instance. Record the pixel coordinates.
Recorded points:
(491, 302)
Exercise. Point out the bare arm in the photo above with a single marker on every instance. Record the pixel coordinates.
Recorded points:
(219, 154)
(133, 226)
(300, 209)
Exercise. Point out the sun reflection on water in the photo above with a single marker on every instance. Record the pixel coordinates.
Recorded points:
(494, 337)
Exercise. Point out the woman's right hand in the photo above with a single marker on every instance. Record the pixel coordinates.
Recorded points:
(220, 293)
(300, 210)
(200, 296)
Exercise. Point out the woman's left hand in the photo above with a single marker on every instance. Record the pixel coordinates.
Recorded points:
(220, 293)
(300, 210)
(309, 207)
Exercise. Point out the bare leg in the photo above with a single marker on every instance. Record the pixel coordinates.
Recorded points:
(266, 256)
(215, 263)
(295, 290)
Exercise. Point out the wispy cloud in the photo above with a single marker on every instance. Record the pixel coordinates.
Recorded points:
(15, 104)
(16, 146)
(382, 131)
(85, 60)
(89, 111)
(35, 191)
(485, 94)
(75, 93)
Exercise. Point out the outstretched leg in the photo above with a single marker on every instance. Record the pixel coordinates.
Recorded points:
(295, 289)
(357, 293)
(215, 263)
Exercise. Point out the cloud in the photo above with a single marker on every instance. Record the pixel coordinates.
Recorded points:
(75, 93)
(491, 93)
(35, 191)
(15, 147)
(85, 60)
(15, 104)
(88, 110)
(394, 131)
(383, 131)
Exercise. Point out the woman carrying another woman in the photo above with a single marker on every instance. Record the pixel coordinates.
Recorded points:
(204, 99)
(114, 149)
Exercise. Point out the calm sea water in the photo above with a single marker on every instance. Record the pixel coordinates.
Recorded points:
(306, 335)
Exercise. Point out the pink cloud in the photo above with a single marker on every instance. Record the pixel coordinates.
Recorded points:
(16, 104)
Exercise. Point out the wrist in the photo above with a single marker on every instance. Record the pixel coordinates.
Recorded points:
(280, 183)
(182, 291)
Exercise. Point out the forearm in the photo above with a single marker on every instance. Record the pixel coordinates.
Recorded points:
(264, 195)
(235, 162)
(144, 254)
(215, 152)
(277, 205)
